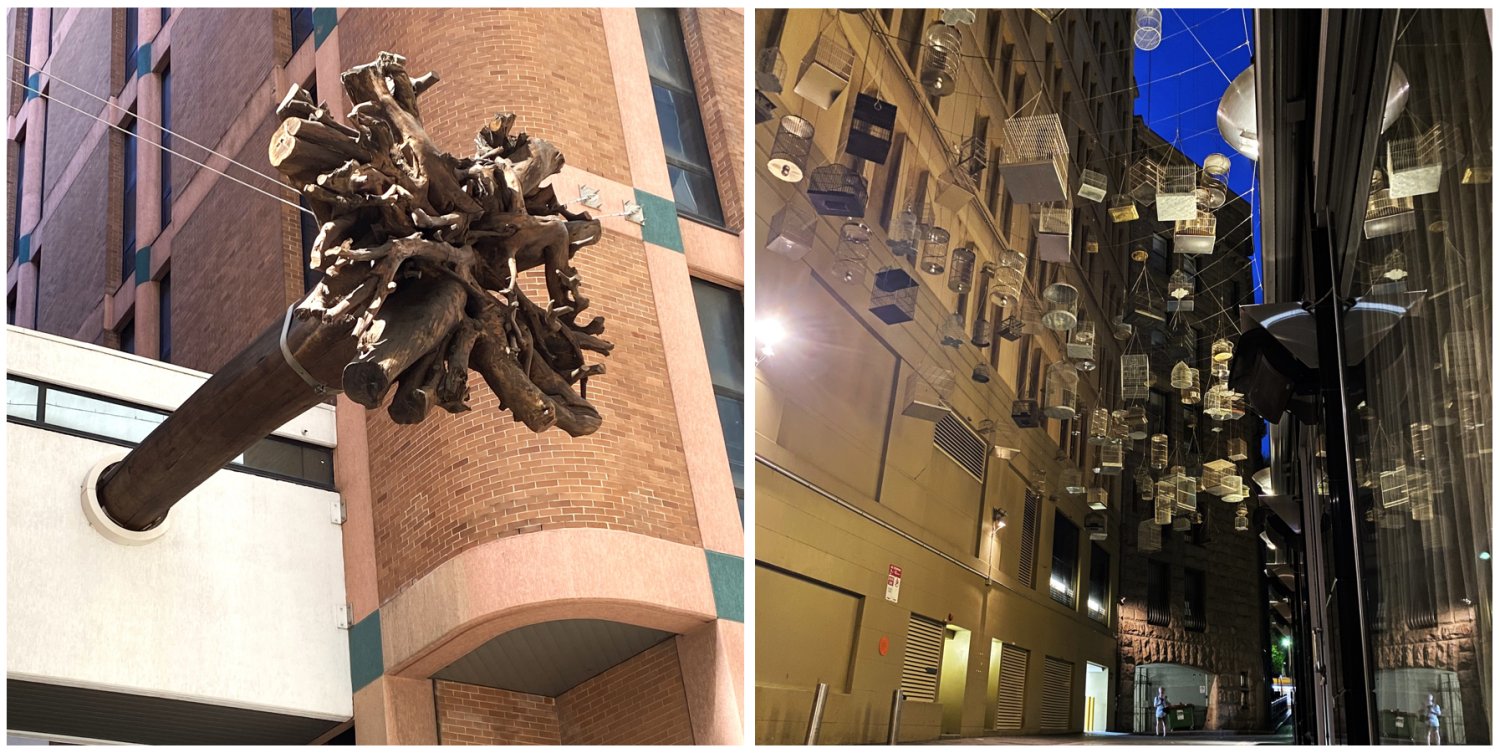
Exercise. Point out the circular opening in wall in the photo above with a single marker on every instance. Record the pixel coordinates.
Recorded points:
(100, 521)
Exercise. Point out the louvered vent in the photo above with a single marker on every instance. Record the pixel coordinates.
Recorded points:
(959, 442)
(1010, 702)
(1057, 694)
(1029, 520)
(924, 654)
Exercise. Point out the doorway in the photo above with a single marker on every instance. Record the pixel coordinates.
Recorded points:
(1096, 698)
(953, 679)
(1185, 686)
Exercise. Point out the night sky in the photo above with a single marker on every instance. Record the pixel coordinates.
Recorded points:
(1183, 108)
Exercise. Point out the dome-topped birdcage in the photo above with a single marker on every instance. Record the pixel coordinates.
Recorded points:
(1135, 376)
(1062, 306)
(1099, 426)
(941, 53)
(1147, 29)
(1093, 186)
(1010, 258)
(792, 232)
(1034, 159)
(826, 68)
(1060, 397)
(794, 138)
(1006, 288)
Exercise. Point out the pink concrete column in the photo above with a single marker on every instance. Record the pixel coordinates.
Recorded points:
(627, 61)
(713, 661)
(395, 711)
(41, 31)
(26, 292)
(351, 466)
(31, 211)
(148, 319)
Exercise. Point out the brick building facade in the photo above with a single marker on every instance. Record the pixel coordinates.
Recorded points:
(465, 531)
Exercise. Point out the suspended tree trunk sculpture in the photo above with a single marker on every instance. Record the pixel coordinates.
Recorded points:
(420, 253)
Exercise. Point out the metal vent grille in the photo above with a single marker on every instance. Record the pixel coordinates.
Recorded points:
(1057, 694)
(1029, 520)
(959, 442)
(1010, 702)
(924, 654)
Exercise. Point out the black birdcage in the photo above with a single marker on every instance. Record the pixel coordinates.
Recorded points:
(871, 128)
(1026, 414)
(1010, 328)
(894, 299)
(837, 191)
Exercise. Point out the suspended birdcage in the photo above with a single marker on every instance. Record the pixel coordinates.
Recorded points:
(1215, 476)
(960, 182)
(794, 138)
(1175, 199)
(1136, 424)
(934, 257)
(1144, 305)
(1190, 394)
(826, 69)
(1143, 180)
(1010, 258)
(1421, 442)
(870, 129)
(894, 299)
(1393, 490)
(1034, 159)
(1234, 488)
(1135, 376)
(1072, 481)
(1025, 413)
(1392, 268)
(1081, 342)
(1005, 289)
(961, 270)
(1010, 328)
(1212, 190)
(1222, 351)
(1166, 493)
(765, 109)
(1181, 524)
(1120, 329)
(1119, 428)
(941, 52)
(1112, 458)
(1241, 518)
(1122, 209)
(984, 329)
(792, 232)
(1218, 402)
(1386, 214)
(1180, 291)
(982, 372)
(770, 70)
(952, 332)
(1163, 509)
(854, 242)
(1144, 486)
(837, 191)
(927, 391)
(1062, 306)
(1238, 449)
(1187, 491)
(1060, 398)
(1415, 164)
(1096, 523)
(1054, 234)
(957, 16)
(1093, 186)
(1148, 535)
(1099, 427)
(1159, 451)
(1147, 29)
(1463, 352)
(1195, 236)
(908, 230)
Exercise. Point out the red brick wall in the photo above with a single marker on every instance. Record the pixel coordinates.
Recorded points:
(547, 66)
(220, 56)
(75, 242)
(18, 20)
(83, 59)
(476, 715)
(715, 39)
(454, 482)
(639, 702)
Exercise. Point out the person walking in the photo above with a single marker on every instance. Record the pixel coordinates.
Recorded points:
(1161, 711)
(1434, 714)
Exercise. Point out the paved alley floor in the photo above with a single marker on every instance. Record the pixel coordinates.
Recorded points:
(1120, 738)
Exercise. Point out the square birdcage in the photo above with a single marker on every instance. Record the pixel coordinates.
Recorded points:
(927, 391)
(1215, 473)
(826, 69)
(1389, 215)
(837, 191)
(1148, 535)
(894, 299)
(1414, 165)
(1187, 493)
(1025, 413)
(870, 129)
(1073, 481)
(1097, 525)
(1393, 488)
(1164, 505)
(1092, 185)
(792, 232)
(1099, 427)
(1112, 458)
(1144, 306)
(1135, 376)
(1054, 234)
(1238, 449)
(1122, 209)
(955, 189)
(770, 70)
(1034, 160)
(1010, 328)
(1143, 179)
(765, 109)
(1081, 342)
(1195, 236)
(1176, 198)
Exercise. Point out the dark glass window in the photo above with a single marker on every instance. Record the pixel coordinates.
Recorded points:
(1158, 593)
(302, 26)
(164, 318)
(132, 33)
(1098, 583)
(1194, 589)
(309, 232)
(166, 13)
(1064, 581)
(127, 218)
(677, 115)
(721, 319)
(127, 337)
(20, 202)
(166, 142)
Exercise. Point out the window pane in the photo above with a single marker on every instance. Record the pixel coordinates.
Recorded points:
(732, 421)
(695, 194)
(302, 26)
(164, 319)
(20, 400)
(95, 416)
(317, 465)
(721, 319)
(666, 57)
(681, 127)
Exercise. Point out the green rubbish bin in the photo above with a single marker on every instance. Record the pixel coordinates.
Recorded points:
(1398, 725)
(1181, 717)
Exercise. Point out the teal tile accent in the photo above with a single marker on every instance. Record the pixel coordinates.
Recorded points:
(366, 662)
(727, 574)
(143, 265)
(33, 86)
(23, 249)
(661, 221)
(324, 21)
(143, 60)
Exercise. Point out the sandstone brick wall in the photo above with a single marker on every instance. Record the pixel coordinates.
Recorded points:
(454, 482)
(220, 56)
(639, 702)
(715, 40)
(477, 715)
(549, 67)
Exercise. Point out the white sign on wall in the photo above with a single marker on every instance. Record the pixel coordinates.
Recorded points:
(893, 584)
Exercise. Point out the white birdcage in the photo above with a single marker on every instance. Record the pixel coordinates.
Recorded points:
(1175, 197)
(1005, 289)
(1143, 180)
(1195, 236)
(1148, 534)
(1159, 451)
(1122, 209)
(1060, 397)
(1147, 29)
(1062, 306)
(957, 16)
(1239, 449)
(1081, 342)
(792, 232)
(1098, 498)
(1234, 488)
(940, 57)
(1099, 427)
(1180, 291)
(794, 138)
(1054, 234)
(952, 332)
(1222, 351)
(1218, 402)
(1386, 214)
(1135, 376)
(1393, 488)
(934, 251)
(1136, 423)
(1191, 394)
(1112, 458)
(908, 231)
(1034, 159)
(826, 69)
(927, 392)
(854, 242)
(1187, 491)
(1093, 186)
(1072, 481)
(1215, 475)
(1415, 164)
(770, 70)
